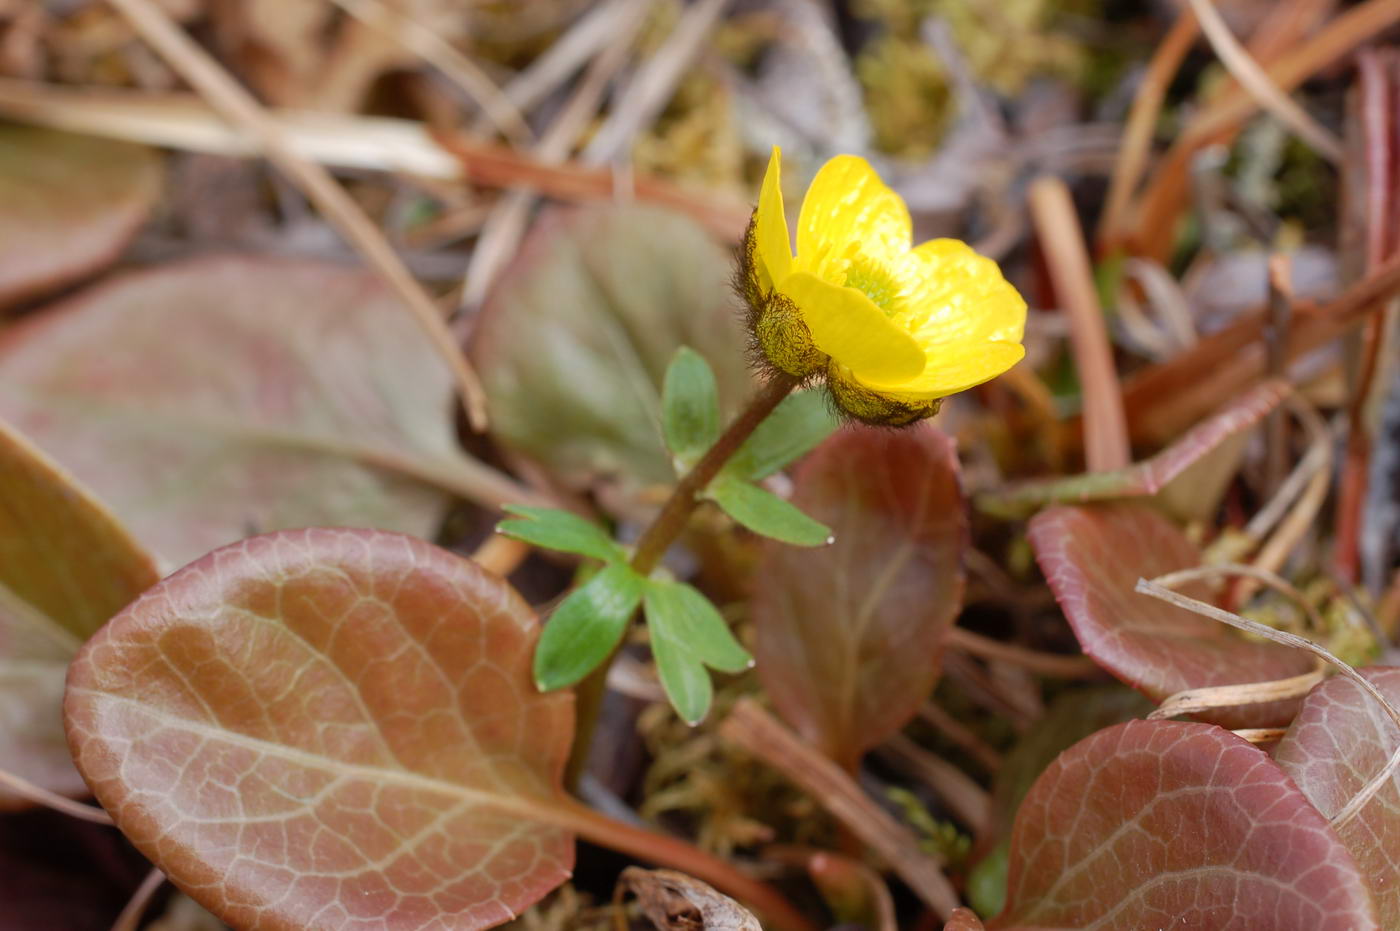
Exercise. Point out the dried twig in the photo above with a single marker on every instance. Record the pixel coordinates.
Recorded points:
(1261, 735)
(225, 94)
(1303, 514)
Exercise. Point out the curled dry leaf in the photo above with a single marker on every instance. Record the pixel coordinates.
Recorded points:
(849, 636)
(574, 342)
(66, 566)
(211, 399)
(1148, 477)
(1092, 557)
(329, 729)
(1153, 824)
(1341, 739)
(673, 901)
(71, 203)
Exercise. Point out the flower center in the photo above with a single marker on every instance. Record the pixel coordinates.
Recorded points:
(874, 281)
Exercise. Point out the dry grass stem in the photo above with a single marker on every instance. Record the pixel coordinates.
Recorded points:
(130, 918)
(654, 82)
(1256, 81)
(1190, 701)
(439, 53)
(1381, 779)
(1136, 145)
(227, 96)
(950, 727)
(186, 122)
(1054, 665)
(41, 796)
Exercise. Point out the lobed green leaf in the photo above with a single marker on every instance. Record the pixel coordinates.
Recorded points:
(689, 406)
(765, 513)
(586, 627)
(560, 530)
(794, 429)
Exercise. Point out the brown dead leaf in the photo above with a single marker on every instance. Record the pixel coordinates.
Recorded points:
(673, 901)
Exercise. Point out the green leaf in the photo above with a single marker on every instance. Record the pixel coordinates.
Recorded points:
(689, 406)
(766, 513)
(683, 676)
(696, 624)
(794, 428)
(586, 627)
(560, 530)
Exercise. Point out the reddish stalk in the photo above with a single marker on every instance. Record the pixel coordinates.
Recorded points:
(1378, 91)
(1062, 241)
(1161, 203)
(754, 729)
(1137, 133)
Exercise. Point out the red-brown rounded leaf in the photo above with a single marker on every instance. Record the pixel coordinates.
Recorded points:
(329, 729)
(850, 635)
(1093, 556)
(1155, 824)
(70, 204)
(1340, 739)
(215, 398)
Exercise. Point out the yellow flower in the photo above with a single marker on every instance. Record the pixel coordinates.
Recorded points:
(895, 328)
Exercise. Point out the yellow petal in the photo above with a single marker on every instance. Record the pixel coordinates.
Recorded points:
(954, 295)
(774, 249)
(847, 326)
(848, 207)
(950, 369)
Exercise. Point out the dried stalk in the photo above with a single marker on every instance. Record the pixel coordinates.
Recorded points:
(439, 53)
(1053, 665)
(968, 801)
(41, 796)
(1190, 701)
(227, 96)
(1381, 779)
(752, 728)
(130, 918)
(1256, 81)
(1062, 240)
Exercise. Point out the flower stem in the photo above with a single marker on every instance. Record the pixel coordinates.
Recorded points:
(658, 537)
(676, 511)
